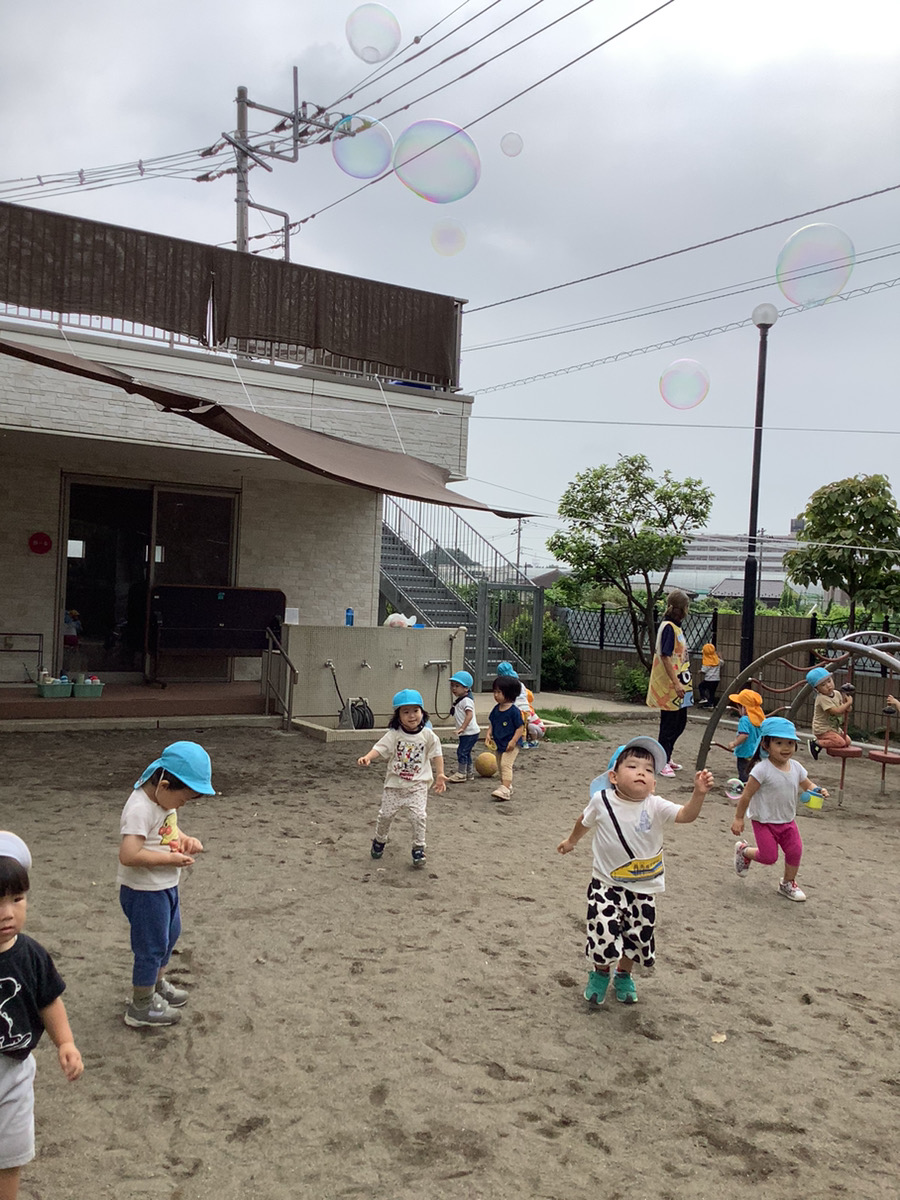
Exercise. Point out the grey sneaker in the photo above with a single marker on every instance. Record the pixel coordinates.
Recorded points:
(175, 997)
(418, 856)
(458, 777)
(157, 1012)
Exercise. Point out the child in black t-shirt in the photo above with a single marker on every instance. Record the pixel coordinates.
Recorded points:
(30, 1002)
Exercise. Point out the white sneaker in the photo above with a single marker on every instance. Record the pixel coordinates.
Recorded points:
(457, 777)
(741, 862)
(790, 891)
(668, 772)
(502, 793)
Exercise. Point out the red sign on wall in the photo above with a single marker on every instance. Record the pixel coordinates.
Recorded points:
(40, 543)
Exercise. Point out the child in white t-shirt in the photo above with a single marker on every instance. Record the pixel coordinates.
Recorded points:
(627, 819)
(771, 796)
(411, 747)
(467, 727)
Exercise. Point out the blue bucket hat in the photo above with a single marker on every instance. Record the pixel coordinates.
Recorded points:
(646, 743)
(188, 762)
(816, 676)
(408, 696)
(779, 727)
(462, 677)
(506, 668)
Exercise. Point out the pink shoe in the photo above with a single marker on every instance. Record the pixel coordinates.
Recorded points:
(674, 765)
(667, 772)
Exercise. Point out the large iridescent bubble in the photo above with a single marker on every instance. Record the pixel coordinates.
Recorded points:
(437, 160)
(815, 264)
(684, 383)
(448, 237)
(362, 147)
(373, 32)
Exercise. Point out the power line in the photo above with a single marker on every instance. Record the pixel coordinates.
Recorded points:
(681, 340)
(647, 310)
(684, 250)
(470, 124)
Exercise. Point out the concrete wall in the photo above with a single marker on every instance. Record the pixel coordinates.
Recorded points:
(316, 541)
(308, 648)
(596, 669)
(35, 397)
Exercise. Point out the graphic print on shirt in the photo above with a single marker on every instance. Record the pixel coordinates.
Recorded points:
(9, 1039)
(409, 759)
(168, 831)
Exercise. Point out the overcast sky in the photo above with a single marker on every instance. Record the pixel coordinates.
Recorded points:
(710, 117)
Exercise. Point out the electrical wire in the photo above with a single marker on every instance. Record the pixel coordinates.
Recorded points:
(497, 108)
(684, 250)
(682, 339)
(649, 310)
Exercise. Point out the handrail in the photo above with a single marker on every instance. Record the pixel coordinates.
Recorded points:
(286, 703)
(432, 529)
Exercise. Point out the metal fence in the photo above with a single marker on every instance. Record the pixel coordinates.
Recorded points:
(875, 634)
(611, 629)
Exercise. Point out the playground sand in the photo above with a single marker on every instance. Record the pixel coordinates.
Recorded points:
(359, 1028)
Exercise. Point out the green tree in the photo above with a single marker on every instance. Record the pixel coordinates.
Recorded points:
(624, 524)
(850, 540)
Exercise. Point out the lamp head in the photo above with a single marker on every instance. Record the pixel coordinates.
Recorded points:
(764, 315)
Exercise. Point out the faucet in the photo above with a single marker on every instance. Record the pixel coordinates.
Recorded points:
(328, 663)
(365, 664)
(399, 664)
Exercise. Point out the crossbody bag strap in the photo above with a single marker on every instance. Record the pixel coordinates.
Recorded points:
(612, 815)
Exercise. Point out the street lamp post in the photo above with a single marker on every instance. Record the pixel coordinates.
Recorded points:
(764, 317)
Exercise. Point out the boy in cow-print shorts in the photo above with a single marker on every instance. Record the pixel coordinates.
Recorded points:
(627, 818)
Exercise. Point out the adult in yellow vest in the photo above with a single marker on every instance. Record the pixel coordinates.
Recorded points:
(671, 690)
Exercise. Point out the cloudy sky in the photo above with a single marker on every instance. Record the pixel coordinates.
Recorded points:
(708, 118)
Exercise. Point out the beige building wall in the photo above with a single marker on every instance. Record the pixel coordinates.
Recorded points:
(316, 540)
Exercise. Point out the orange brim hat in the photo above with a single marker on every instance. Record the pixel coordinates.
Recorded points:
(710, 657)
(752, 701)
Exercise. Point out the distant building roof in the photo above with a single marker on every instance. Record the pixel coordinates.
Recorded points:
(733, 589)
(547, 578)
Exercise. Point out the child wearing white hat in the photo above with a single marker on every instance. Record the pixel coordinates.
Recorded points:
(30, 1002)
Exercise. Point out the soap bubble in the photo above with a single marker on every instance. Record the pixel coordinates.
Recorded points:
(436, 160)
(448, 238)
(815, 264)
(684, 383)
(373, 32)
(511, 144)
(362, 147)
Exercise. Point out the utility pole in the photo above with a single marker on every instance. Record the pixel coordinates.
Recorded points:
(242, 162)
(518, 541)
(304, 129)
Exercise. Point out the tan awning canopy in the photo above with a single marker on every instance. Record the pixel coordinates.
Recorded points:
(347, 462)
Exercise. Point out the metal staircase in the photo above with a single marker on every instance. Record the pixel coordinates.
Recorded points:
(438, 573)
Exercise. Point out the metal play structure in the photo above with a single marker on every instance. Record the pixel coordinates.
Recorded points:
(845, 651)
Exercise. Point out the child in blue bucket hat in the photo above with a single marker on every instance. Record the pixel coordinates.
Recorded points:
(468, 730)
(627, 820)
(415, 759)
(828, 715)
(770, 795)
(151, 854)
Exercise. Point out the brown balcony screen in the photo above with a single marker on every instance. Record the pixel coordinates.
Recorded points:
(66, 265)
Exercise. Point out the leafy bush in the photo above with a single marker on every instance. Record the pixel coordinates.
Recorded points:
(632, 682)
(558, 664)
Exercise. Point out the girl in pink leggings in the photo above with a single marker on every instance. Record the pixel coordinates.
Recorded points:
(771, 796)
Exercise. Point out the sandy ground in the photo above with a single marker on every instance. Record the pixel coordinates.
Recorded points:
(360, 1028)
